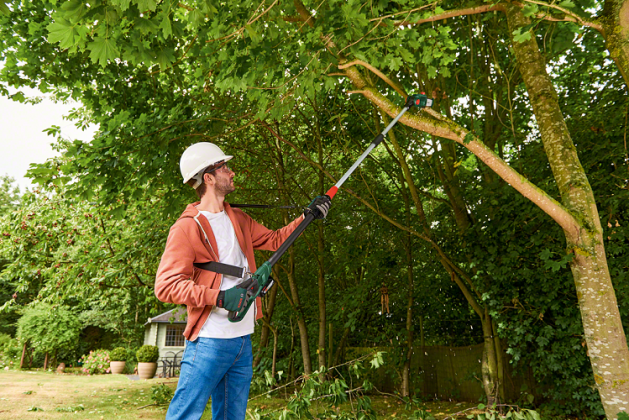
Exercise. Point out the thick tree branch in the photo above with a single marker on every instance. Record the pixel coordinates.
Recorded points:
(378, 73)
(454, 13)
(304, 13)
(450, 130)
(569, 16)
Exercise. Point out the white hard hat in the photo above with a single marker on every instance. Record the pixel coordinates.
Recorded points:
(198, 157)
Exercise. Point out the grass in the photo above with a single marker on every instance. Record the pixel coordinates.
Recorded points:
(117, 397)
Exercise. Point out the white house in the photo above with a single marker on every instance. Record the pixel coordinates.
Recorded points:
(166, 332)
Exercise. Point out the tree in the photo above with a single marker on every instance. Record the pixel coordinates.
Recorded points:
(49, 329)
(219, 73)
(9, 194)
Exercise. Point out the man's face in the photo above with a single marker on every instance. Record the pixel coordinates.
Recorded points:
(224, 180)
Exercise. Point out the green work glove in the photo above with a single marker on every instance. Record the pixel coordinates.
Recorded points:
(319, 207)
(233, 299)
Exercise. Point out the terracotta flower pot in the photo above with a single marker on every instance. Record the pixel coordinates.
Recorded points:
(117, 367)
(146, 370)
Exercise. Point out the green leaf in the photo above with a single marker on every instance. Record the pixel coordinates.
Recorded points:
(65, 33)
(165, 58)
(166, 27)
(529, 10)
(3, 7)
(145, 5)
(123, 4)
(103, 50)
(74, 9)
(567, 4)
(432, 72)
(252, 33)
(196, 18)
(518, 36)
(395, 63)
(145, 26)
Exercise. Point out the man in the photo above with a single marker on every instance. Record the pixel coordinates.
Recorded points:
(217, 360)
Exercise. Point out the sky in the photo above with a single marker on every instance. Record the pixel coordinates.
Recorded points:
(22, 140)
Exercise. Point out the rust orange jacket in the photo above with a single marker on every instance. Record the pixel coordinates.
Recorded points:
(191, 240)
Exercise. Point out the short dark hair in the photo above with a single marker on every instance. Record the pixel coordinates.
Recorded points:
(201, 189)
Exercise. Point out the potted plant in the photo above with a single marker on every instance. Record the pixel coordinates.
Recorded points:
(118, 358)
(147, 361)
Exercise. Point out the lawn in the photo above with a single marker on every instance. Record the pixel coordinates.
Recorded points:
(117, 397)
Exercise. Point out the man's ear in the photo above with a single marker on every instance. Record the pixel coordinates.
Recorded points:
(207, 178)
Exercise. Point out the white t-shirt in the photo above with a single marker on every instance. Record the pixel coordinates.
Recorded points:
(217, 325)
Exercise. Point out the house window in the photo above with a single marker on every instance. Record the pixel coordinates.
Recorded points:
(174, 335)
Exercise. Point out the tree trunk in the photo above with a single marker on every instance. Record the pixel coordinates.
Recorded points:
(268, 314)
(321, 270)
(499, 361)
(274, 365)
(604, 335)
(23, 356)
(489, 364)
(330, 345)
(339, 349)
(615, 20)
(46, 361)
(301, 322)
(291, 359)
(408, 244)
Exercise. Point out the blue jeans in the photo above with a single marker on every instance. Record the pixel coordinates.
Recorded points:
(216, 367)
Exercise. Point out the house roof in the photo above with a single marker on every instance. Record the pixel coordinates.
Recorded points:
(179, 314)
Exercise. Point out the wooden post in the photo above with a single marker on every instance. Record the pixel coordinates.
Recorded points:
(23, 355)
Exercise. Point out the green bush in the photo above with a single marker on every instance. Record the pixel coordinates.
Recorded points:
(148, 354)
(10, 352)
(49, 328)
(119, 354)
(5, 339)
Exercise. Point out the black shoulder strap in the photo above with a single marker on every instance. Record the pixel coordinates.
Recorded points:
(220, 268)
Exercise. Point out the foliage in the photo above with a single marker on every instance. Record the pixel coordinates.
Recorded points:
(70, 409)
(9, 195)
(157, 76)
(497, 412)
(10, 351)
(49, 328)
(147, 354)
(119, 354)
(96, 362)
(161, 394)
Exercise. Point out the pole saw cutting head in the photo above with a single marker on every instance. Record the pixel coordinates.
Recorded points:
(419, 100)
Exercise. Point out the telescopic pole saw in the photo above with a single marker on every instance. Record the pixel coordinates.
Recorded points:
(261, 281)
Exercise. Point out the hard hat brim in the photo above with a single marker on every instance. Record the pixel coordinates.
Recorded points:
(205, 165)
